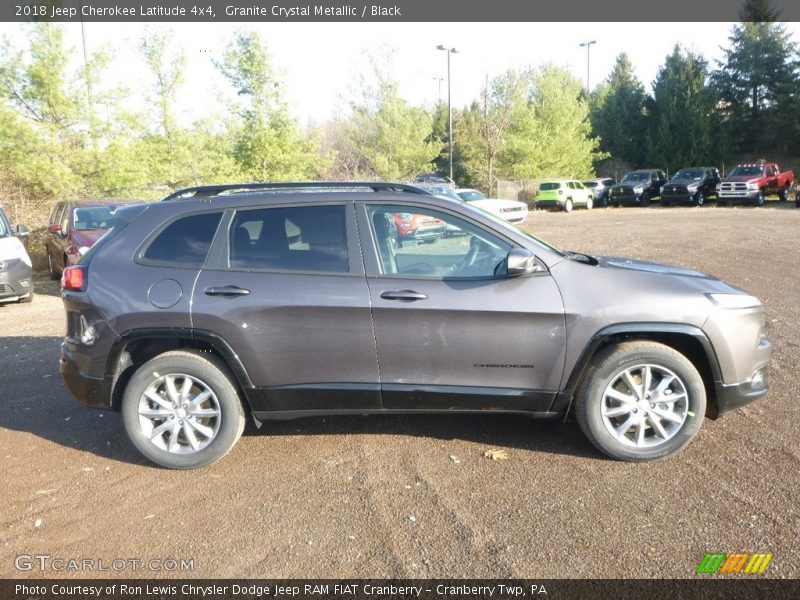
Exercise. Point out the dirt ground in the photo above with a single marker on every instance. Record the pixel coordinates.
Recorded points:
(413, 496)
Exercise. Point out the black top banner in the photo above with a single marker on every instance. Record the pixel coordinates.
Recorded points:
(382, 10)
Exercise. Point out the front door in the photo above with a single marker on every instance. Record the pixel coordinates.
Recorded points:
(453, 332)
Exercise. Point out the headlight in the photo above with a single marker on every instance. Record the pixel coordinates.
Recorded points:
(661, 189)
(692, 187)
(638, 190)
(752, 186)
(734, 300)
(83, 250)
(719, 186)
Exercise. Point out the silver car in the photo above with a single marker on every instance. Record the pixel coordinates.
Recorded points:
(264, 301)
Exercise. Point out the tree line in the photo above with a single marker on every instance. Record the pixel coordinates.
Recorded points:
(63, 134)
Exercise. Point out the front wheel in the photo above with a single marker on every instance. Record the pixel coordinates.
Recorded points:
(589, 203)
(645, 199)
(568, 205)
(641, 401)
(54, 275)
(760, 198)
(181, 410)
(699, 199)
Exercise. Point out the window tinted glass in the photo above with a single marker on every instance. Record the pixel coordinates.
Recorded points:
(429, 243)
(4, 228)
(94, 217)
(549, 186)
(303, 238)
(185, 242)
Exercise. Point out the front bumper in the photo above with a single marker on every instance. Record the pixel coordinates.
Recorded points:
(731, 397)
(748, 195)
(16, 280)
(625, 198)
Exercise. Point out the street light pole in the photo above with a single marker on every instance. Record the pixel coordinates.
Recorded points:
(449, 104)
(588, 46)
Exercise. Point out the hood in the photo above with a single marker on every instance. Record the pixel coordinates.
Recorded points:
(631, 184)
(685, 181)
(649, 267)
(495, 204)
(11, 248)
(743, 178)
(87, 237)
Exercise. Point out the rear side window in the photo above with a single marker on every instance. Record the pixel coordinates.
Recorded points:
(302, 238)
(185, 242)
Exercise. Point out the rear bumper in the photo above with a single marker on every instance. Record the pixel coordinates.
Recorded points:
(90, 391)
(16, 280)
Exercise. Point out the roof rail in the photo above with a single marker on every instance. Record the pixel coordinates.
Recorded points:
(208, 191)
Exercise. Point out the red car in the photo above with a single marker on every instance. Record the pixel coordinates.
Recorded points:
(412, 227)
(74, 227)
(754, 182)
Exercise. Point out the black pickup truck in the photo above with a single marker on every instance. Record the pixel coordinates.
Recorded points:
(691, 184)
(638, 187)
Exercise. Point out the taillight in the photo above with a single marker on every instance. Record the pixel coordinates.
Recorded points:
(74, 278)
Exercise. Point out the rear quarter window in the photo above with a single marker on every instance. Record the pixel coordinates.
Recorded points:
(184, 242)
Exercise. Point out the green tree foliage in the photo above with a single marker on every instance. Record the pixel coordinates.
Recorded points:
(549, 134)
(683, 129)
(757, 81)
(384, 137)
(268, 145)
(618, 113)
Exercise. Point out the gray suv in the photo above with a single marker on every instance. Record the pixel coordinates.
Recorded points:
(275, 301)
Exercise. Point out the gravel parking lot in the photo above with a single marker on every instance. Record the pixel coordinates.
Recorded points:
(413, 496)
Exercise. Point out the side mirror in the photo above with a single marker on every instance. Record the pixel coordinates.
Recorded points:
(22, 231)
(54, 229)
(520, 262)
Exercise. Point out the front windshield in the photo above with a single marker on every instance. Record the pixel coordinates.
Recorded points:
(471, 195)
(637, 176)
(746, 171)
(688, 174)
(4, 229)
(94, 217)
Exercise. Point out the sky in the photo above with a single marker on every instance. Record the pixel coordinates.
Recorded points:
(319, 62)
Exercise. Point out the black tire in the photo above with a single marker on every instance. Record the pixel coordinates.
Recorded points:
(760, 199)
(722, 202)
(665, 203)
(54, 275)
(645, 199)
(783, 194)
(607, 369)
(27, 299)
(205, 371)
(797, 201)
(589, 203)
(568, 205)
(699, 199)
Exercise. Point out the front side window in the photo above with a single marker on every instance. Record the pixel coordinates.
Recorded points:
(300, 238)
(184, 242)
(420, 242)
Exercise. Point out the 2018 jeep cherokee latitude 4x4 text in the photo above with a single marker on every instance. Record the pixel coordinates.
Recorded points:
(268, 300)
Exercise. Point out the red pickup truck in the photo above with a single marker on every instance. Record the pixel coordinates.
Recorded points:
(753, 182)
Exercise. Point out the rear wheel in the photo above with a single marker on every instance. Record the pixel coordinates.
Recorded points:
(783, 194)
(568, 205)
(641, 401)
(181, 410)
(589, 203)
(50, 270)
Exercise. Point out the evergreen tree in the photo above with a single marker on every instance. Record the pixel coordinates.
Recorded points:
(618, 114)
(683, 130)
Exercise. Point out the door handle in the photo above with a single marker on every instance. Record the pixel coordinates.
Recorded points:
(226, 290)
(404, 295)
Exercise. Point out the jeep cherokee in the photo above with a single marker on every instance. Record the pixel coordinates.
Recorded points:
(276, 301)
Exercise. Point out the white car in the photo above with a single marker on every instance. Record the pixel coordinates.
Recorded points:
(510, 210)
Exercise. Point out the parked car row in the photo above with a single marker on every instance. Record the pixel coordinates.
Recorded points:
(746, 183)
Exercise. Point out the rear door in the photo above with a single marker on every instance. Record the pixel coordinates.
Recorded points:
(285, 287)
(453, 332)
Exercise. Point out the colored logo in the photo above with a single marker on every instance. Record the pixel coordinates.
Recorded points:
(729, 564)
